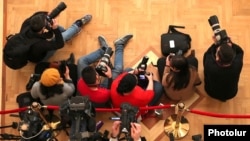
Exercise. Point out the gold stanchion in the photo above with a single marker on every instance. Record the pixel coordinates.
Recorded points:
(177, 124)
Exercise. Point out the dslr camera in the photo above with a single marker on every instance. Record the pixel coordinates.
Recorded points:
(32, 80)
(220, 34)
(55, 12)
(142, 67)
(105, 61)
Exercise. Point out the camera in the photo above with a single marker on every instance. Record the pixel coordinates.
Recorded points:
(142, 67)
(32, 80)
(79, 112)
(220, 34)
(105, 61)
(128, 115)
(55, 12)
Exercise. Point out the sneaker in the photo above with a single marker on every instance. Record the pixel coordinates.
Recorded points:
(84, 20)
(102, 42)
(123, 40)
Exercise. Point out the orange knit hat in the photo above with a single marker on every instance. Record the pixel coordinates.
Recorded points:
(50, 77)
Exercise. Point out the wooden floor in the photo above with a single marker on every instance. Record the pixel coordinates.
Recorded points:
(146, 20)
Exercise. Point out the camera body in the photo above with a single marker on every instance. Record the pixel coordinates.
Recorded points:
(128, 115)
(142, 67)
(55, 12)
(105, 61)
(220, 34)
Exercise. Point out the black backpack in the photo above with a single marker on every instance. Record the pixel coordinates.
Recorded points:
(15, 51)
(175, 41)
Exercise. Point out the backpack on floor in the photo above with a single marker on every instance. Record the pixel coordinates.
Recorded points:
(175, 41)
(15, 51)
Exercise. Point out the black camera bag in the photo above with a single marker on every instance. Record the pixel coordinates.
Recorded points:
(174, 41)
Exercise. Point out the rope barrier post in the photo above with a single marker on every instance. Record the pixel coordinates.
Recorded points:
(177, 124)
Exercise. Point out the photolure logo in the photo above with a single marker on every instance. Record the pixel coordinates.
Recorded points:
(224, 132)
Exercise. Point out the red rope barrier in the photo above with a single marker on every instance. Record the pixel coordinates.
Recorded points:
(97, 109)
(219, 115)
(13, 111)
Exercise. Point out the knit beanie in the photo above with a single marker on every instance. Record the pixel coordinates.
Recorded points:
(127, 83)
(50, 77)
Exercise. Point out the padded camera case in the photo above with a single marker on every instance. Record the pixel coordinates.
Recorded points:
(175, 41)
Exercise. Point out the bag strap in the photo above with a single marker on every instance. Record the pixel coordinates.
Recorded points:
(172, 29)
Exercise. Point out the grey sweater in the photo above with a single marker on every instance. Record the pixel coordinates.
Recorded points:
(57, 99)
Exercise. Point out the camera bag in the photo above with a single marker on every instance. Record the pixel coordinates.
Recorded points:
(175, 41)
(15, 51)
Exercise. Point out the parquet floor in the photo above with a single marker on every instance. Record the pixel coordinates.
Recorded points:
(146, 20)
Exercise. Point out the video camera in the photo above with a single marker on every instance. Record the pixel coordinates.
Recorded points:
(55, 12)
(79, 112)
(220, 34)
(128, 115)
(105, 60)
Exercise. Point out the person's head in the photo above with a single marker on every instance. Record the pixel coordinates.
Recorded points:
(50, 77)
(179, 76)
(179, 63)
(127, 84)
(51, 82)
(224, 54)
(89, 75)
(38, 22)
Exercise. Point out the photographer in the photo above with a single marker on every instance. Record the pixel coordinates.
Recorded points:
(222, 64)
(180, 76)
(44, 26)
(135, 131)
(125, 88)
(222, 67)
(51, 89)
(89, 79)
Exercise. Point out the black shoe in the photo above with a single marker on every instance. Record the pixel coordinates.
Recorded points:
(84, 20)
(123, 40)
(102, 42)
(71, 59)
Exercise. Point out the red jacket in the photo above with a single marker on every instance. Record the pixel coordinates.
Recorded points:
(99, 96)
(138, 97)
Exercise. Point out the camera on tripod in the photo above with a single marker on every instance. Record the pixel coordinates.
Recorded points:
(128, 115)
(220, 34)
(105, 61)
(55, 12)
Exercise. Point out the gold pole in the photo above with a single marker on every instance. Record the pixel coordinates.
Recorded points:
(176, 123)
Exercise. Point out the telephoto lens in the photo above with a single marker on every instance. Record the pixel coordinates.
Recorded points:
(55, 12)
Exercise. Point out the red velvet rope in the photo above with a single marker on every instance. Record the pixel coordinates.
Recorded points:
(97, 109)
(219, 115)
(141, 108)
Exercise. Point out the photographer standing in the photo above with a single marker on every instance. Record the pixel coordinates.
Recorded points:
(42, 25)
(89, 83)
(222, 67)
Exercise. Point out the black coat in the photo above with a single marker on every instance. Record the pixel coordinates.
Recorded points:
(222, 82)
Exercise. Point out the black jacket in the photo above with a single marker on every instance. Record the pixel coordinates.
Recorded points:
(39, 50)
(222, 82)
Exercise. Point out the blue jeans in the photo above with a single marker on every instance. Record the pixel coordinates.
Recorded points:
(85, 61)
(67, 34)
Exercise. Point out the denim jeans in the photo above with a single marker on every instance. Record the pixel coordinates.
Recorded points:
(67, 34)
(85, 61)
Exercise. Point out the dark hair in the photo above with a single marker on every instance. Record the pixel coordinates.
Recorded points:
(51, 91)
(179, 78)
(226, 54)
(37, 22)
(127, 84)
(89, 75)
